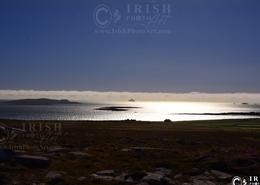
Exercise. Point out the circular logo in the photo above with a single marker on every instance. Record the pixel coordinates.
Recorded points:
(236, 181)
(3, 135)
(103, 16)
(7, 133)
(245, 181)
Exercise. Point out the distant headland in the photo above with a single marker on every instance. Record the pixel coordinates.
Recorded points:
(40, 101)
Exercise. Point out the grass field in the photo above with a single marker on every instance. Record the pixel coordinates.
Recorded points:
(187, 149)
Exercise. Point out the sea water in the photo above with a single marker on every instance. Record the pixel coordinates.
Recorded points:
(144, 111)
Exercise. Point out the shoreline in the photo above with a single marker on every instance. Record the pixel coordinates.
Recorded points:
(135, 121)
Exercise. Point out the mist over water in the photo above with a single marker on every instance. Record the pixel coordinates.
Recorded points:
(144, 111)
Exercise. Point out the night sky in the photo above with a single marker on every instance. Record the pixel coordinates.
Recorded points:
(214, 46)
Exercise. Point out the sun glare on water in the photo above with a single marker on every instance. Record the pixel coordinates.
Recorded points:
(180, 111)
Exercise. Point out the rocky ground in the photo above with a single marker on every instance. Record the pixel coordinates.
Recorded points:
(129, 152)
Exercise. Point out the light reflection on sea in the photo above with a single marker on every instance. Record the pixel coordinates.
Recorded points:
(147, 111)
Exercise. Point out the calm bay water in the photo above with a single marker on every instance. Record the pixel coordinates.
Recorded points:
(146, 111)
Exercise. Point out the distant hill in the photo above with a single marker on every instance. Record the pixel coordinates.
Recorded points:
(41, 101)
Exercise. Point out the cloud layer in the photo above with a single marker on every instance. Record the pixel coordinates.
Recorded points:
(94, 96)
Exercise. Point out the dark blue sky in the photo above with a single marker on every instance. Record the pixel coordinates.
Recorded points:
(51, 45)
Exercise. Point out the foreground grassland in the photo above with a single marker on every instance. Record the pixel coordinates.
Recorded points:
(193, 152)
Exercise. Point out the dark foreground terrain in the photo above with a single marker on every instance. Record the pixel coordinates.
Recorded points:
(128, 152)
